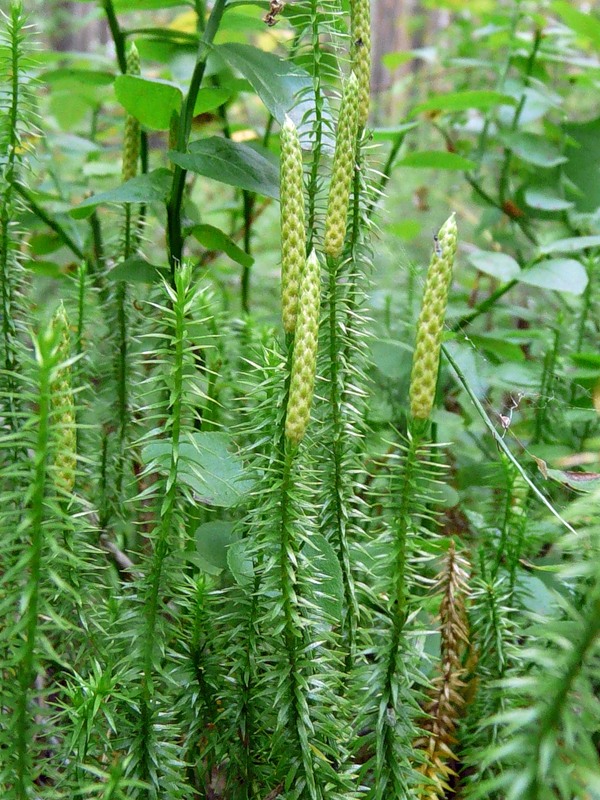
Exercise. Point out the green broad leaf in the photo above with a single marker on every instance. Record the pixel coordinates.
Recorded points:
(213, 540)
(586, 25)
(407, 229)
(96, 77)
(277, 82)
(146, 5)
(150, 188)
(137, 270)
(503, 349)
(578, 481)
(42, 244)
(72, 144)
(558, 274)
(232, 163)
(240, 563)
(71, 108)
(536, 595)
(207, 465)
(516, 375)
(436, 159)
(462, 101)
(572, 245)
(214, 239)
(238, 22)
(583, 152)
(210, 98)
(586, 359)
(533, 149)
(49, 269)
(498, 265)
(152, 102)
(546, 200)
(325, 569)
(392, 358)
(392, 61)
(534, 105)
(390, 134)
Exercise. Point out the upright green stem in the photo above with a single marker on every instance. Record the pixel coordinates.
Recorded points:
(505, 171)
(50, 221)
(502, 78)
(294, 638)
(166, 513)
(386, 753)
(248, 199)
(555, 703)
(9, 330)
(386, 172)
(350, 618)
(174, 231)
(31, 594)
(116, 33)
(592, 265)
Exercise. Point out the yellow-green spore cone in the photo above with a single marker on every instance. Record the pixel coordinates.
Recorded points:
(431, 322)
(131, 139)
(63, 410)
(304, 359)
(293, 234)
(360, 30)
(343, 170)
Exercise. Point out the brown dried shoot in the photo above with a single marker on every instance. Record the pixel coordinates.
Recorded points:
(447, 700)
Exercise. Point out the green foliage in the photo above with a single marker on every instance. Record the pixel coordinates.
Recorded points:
(244, 560)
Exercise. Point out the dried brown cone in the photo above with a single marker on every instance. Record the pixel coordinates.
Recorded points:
(447, 695)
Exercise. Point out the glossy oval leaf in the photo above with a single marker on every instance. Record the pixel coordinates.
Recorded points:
(146, 5)
(214, 239)
(583, 150)
(213, 540)
(436, 159)
(546, 200)
(583, 24)
(77, 75)
(498, 265)
(533, 149)
(232, 163)
(239, 561)
(150, 188)
(152, 102)
(390, 134)
(462, 101)
(277, 82)
(210, 98)
(283, 87)
(138, 270)
(571, 245)
(325, 570)
(558, 274)
(207, 465)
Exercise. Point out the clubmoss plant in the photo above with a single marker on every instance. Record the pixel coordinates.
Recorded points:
(224, 581)
(131, 154)
(154, 748)
(16, 128)
(47, 348)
